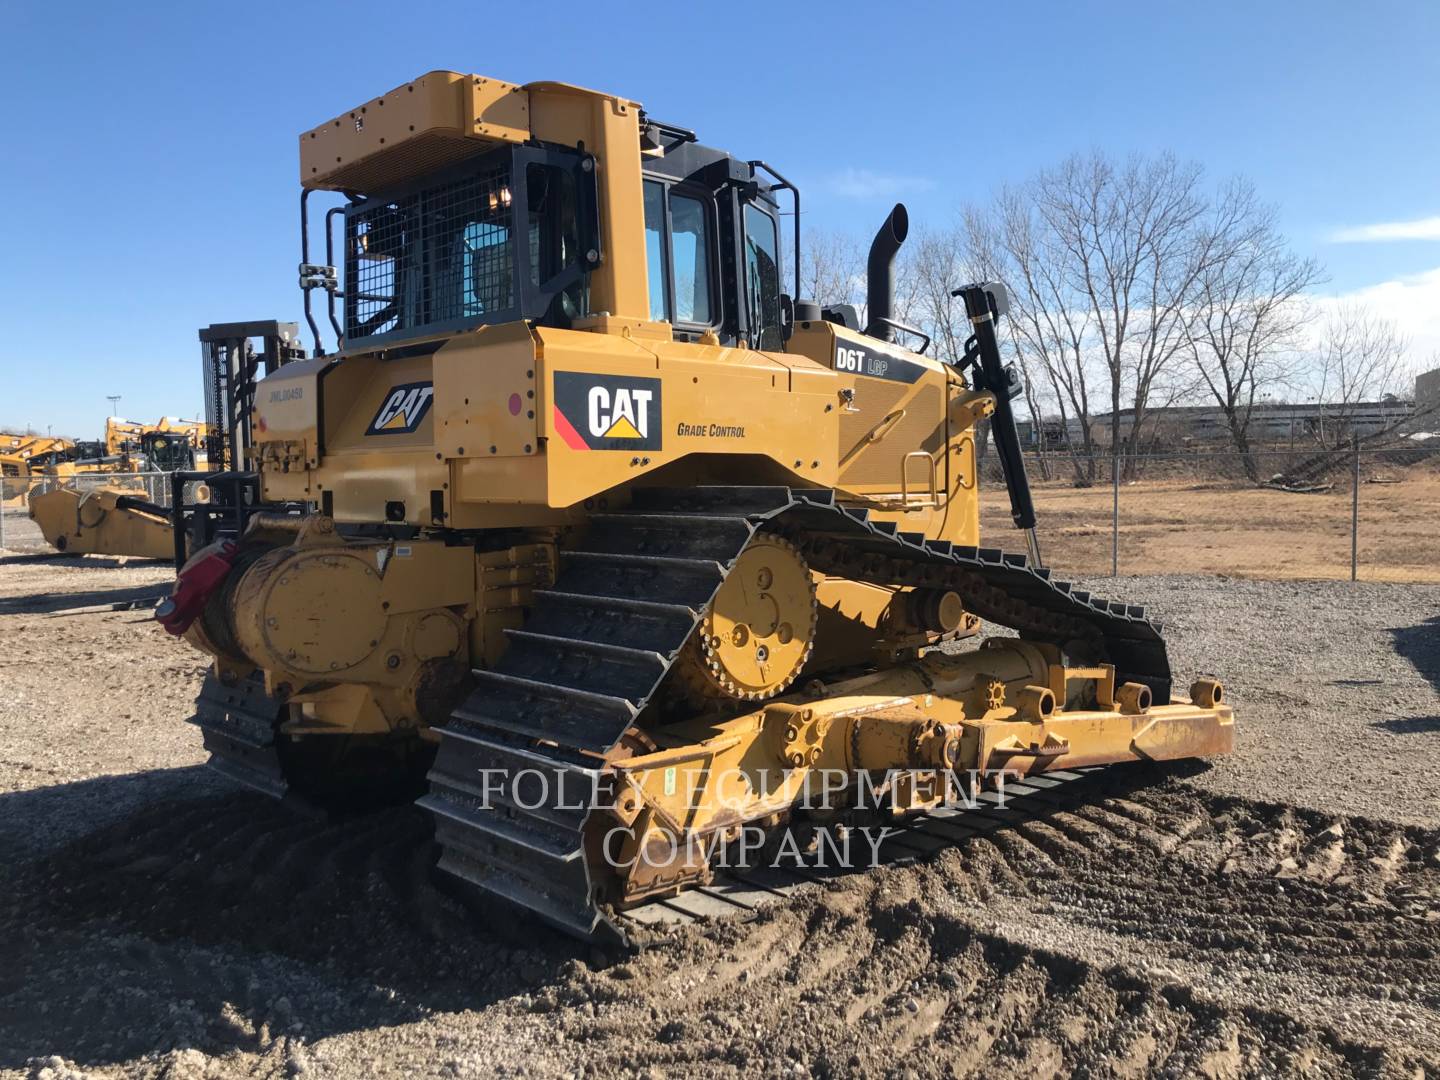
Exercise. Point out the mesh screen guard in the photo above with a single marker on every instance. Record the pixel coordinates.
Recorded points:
(485, 242)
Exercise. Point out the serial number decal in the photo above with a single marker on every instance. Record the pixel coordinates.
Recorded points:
(287, 393)
(876, 363)
(710, 431)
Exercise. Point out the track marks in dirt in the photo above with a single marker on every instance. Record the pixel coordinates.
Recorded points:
(207, 905)
(174, 927)
(880, 975)
(1328, 920)
(941, 999)
(1277, 906)
(1353, 900)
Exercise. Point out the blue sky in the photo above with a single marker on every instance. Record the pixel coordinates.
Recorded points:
(150, 175)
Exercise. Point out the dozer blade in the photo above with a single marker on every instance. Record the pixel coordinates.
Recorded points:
(104, 521)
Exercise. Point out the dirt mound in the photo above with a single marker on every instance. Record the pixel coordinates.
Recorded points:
(1157, 930)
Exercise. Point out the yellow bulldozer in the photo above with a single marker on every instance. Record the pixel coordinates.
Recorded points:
(609, 544)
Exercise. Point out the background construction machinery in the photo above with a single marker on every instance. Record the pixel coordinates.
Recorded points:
(19, 455)
(126, 512)
(117, 516)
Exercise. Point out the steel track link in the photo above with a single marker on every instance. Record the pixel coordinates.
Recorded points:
(520, 766)
(741, 892)
(238, 724)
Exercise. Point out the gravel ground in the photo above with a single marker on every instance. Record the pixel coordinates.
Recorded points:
(20, 532)
(1336, 686)
(1273, 914)
(87, 696)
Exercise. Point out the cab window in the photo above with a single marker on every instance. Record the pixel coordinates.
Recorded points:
(678, 256)
(554, 224)
(488, 284)
(655, 250)
(690, 251)
(762, 278)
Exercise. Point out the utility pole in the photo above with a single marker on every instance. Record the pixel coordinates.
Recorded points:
(112, 398)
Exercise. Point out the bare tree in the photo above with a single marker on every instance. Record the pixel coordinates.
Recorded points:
(833, 272)
(935, 267)
(932, 265)
(833, 269)
(1248, 312)
(1131, 245)
(1360, 359)
(1049, 320)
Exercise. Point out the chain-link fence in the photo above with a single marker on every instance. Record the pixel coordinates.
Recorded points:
(1354, 511)
(19, 533)
(1274, 513)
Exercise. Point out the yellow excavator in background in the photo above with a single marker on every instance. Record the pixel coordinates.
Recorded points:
(86, 505)
(18, 450)
(616, 545)
(127, 446)
(20, 455)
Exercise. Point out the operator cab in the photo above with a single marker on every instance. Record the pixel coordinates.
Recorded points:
(712, 242)
(85, 451)
(513, 233)
(167, 451)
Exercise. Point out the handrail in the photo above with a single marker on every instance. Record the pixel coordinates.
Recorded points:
(897, 325)
(934, 471)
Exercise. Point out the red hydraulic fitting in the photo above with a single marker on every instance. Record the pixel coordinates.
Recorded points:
(200, 577)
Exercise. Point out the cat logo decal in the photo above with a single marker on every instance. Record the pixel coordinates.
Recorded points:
(607, 412)
(403, 409)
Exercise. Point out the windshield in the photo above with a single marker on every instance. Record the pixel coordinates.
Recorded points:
(167, 452)
(655, 250)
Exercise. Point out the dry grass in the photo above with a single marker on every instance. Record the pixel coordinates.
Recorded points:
(1185, 527)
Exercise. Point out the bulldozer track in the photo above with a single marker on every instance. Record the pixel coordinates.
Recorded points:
(238, 724)
(744, 892)
(599, 644)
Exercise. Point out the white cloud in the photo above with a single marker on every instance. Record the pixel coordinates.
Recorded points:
(1412, 303)
(867, 184)
(1419, 229)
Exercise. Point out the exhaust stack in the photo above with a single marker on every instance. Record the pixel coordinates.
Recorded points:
(880, 273)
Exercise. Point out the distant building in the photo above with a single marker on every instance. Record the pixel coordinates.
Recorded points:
(1269, 423)
(1427, 389)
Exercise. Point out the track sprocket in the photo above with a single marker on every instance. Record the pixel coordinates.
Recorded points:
(758, 632)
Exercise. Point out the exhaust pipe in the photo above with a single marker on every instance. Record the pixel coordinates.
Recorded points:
(880, 273)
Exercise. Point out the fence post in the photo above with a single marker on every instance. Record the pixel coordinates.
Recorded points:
(2, 513)
(1355, 507)
(1114, 514)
